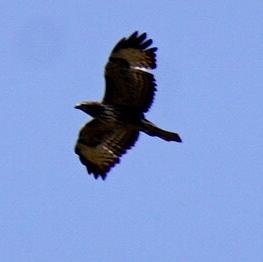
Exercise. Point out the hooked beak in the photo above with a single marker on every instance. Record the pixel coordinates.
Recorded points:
(78, 106)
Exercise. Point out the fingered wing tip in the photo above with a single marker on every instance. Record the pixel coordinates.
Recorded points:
(135, 40)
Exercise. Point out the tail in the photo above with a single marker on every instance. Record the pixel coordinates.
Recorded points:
(152, 130)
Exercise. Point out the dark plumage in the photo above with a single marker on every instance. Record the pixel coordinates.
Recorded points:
(119, 118)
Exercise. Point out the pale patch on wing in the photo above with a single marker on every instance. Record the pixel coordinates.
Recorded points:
(99, 155)
(109, 151)
(144, 69)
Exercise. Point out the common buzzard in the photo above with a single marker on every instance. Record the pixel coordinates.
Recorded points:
(119, 118)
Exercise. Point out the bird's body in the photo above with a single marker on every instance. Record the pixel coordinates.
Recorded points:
(120, 116)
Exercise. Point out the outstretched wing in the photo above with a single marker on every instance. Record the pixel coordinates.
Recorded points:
(101, 144)
(127, 81)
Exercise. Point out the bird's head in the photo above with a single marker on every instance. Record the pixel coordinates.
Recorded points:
(94, 109)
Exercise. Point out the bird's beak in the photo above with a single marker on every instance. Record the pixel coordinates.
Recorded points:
(77, 106)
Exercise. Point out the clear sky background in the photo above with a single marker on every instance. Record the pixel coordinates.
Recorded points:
(201, 200)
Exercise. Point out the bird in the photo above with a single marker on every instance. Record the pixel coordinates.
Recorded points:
(119, 118)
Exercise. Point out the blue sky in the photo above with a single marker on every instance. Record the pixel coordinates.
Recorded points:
(201, 200)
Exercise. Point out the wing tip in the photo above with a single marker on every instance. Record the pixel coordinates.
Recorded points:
(97, 171)
(135, 40)
(92, 170)
(97, 175)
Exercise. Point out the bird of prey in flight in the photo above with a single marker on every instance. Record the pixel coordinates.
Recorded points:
(119, 118)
